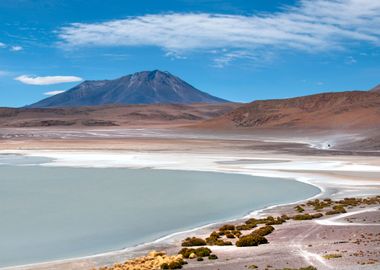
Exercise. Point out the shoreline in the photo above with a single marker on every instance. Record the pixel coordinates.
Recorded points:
(160, 240)
(323, 191)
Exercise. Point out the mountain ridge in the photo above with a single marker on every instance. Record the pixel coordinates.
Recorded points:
(144, 87)
(332, 110)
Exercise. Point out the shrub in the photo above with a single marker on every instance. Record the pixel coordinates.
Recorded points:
(199, 259)
(332, 256)
(277, 221)
(252, 239)
(212, 257)
(223, 243)
(176, 265)
(193, 241)
(302, 268)
(202, 252)
(199, 252)
(337, 209)
(302, 217)
(237, 233)
(317, 215)
(173, 265)
(245, 227)
(230, 235)
(227, 227)
(299, 209)
(214, 234)
(264, 230)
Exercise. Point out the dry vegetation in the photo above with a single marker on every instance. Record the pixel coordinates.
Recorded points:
(253, 232)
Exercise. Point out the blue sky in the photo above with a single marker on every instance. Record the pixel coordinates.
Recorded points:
(238, 50)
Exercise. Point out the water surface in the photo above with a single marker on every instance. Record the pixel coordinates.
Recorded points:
(50, 213)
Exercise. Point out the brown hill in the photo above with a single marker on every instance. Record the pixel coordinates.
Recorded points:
(341, 110)
(123, 115)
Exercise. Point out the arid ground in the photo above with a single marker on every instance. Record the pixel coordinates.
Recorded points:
(315, 158)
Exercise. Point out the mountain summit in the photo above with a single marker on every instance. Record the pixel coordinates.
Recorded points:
(146, 87)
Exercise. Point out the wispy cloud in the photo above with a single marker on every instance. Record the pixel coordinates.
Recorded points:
(2, 45)
(350, 60)
(26, 79)
(4, 73)
(312, 25)
(52, 93)
(16, 48)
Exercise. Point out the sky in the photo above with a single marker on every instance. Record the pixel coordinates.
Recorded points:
(240, 50)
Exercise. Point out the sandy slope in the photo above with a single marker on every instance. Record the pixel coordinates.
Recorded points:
(329, 111)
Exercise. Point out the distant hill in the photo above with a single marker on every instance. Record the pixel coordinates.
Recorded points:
(149, 115)
(376, 89)
(146, 87)
(340, 110)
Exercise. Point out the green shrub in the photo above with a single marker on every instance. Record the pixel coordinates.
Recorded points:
(185, 252)
(173, 265)
(299, 209)
(302, 217)
(199, 252)
(246, 227)
(264, 230)
(202, 252)
(193, 241)
(227, 227)
(176, 265)
(199, 259)
(252, 239)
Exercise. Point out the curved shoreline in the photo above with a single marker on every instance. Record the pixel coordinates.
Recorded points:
(268, 173)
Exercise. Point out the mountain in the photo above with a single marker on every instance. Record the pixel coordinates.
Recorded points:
(376, 89)
(146, 87)
(338, 110)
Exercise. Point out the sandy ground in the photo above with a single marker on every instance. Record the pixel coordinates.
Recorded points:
(339, 174)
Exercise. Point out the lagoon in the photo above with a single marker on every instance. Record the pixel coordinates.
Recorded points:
(50, 213)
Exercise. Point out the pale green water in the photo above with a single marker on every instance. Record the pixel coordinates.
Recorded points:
(52, 213)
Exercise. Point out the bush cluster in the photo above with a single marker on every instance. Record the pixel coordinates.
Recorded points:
(173, 265)
(199, 252)
(252, 239)
(193, 241)
(337, 209)
(227, 227)
(263, 231)
(307, 216)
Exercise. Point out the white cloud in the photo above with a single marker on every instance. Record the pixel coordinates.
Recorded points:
(312, 25)
(52, 93)
(16, 48)
(47, 79)
(2, 45)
